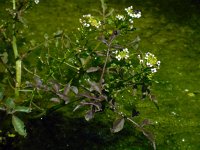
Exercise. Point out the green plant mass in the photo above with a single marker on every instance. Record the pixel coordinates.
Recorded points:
(90, 81)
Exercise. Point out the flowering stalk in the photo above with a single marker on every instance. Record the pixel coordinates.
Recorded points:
(16, 54)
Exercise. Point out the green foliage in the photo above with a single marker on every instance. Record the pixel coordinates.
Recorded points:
(90, 70)
(18, 125)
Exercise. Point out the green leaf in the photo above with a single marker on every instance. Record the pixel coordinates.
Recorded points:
(19, 126)
(4, 57)
(84, 62)
(118, 125)
(9, 102)
(23, 109)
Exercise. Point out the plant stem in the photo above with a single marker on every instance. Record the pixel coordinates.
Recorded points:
(104, 67)
(15, 50)
(107, 55)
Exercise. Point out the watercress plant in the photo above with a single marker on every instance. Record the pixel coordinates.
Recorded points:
(92, 70)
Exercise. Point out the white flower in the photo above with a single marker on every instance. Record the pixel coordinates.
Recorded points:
(98, 25)
(120, 17)
(158, 63)
(130, 20)
(141, 61)
(126, 50)
(126, 57)
(131, 27)
(149, 64)
(86, 25)
(37, 1)
(87, 16)
(153, 70)
(115, 52)
(137, 14)
(118, 57)
(128, 9)
(147, 55)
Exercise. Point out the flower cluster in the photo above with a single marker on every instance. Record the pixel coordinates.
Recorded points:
(90, 21)
(129, 16)
(133, 14)
(124, 54)
(120, 17)
(150, 61)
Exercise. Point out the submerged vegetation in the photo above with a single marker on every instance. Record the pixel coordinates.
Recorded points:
(100, 72)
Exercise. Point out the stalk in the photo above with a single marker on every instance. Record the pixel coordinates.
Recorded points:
(16, 54)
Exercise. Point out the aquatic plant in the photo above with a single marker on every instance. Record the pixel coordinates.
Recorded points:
(10, 37)
(93, 70)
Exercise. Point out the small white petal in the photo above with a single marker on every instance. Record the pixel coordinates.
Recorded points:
(37, 1)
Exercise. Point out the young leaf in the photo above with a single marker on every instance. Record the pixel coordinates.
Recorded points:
(38, 82)
(77, 107)
(74, 89)
(67, 89)
(118, 125)
(95, 86)
(23, 109)
(92, 69)
(18, 125)
(150, 137)
(89, 96)
(55, 99)
(56, 87)
(64, 97)
(89, 115)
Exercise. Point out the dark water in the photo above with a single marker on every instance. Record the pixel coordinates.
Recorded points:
(171, 30)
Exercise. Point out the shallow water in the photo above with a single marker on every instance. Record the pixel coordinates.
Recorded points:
(170, 29)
